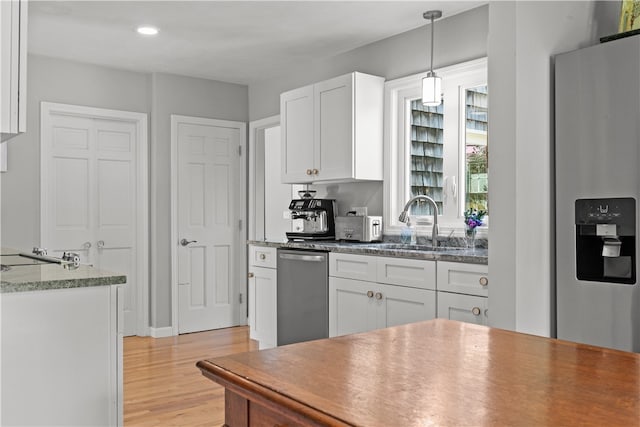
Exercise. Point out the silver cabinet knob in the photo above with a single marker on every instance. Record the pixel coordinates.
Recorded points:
(100, 244)
(315, 171)
(86, 245)
(250, 275)
(378, 296)
(370, 294)
(309, 172)
(185, 242)
(476, 311)
(483, 281)
(486, 312)
(263, 256)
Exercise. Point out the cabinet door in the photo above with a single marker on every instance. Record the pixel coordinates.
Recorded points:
(262, 306)
(296, 126)
(13, 67)
(470, 279)
(351, 309)
(398, 305)
(464, 308)
(334, 128)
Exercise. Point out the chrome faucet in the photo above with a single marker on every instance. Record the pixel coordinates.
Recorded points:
(434, 231)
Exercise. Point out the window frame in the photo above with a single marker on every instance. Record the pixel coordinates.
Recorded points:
(398, 93)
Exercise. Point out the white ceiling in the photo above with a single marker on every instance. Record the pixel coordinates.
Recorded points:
(233, 41)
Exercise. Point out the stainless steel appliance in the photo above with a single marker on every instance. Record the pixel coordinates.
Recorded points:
(302, 296)
(359, 228)
(597, 189)
(313, 219)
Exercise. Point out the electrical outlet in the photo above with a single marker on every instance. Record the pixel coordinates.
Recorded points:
(359, 210)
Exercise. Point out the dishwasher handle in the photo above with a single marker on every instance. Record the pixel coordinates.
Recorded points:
(309, 258)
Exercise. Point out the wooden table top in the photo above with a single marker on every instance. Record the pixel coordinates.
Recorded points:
(442, 372)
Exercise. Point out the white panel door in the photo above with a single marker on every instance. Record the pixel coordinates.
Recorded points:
(115, 228)
(89, 197)
(208, 215)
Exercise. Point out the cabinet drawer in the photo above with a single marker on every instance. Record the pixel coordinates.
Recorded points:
(463, 308)
(349, 266)
(470, 279)
(415, 273)
(262, 256)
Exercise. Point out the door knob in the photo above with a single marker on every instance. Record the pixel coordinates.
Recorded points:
(476, 311)
(100, 244)
(185, 242)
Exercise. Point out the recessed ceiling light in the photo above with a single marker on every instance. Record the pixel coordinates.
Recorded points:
(147, 31)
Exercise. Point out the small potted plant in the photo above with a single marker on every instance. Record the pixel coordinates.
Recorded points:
(472, 220)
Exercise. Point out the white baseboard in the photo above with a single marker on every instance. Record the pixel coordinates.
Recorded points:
(161, 332)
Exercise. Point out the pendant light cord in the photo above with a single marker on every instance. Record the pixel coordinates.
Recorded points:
(432, 45)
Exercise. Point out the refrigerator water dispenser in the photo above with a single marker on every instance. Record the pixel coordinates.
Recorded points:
(605, 240)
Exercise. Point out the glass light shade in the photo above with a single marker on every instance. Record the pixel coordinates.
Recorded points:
(431, 90)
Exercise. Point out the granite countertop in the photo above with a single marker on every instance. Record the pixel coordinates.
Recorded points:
(443, 253)
(39, 277)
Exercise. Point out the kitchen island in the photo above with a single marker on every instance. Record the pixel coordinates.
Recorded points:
(438, 372)
(61, 331)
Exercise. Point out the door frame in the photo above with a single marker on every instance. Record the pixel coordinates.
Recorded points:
(240, 251)
(142, 189)
(256, 203)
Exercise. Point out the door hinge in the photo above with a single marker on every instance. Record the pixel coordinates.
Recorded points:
(240, 297)
(240, 224)
(239, 150)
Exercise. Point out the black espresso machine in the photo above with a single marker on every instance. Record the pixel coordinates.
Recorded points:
(312, 219)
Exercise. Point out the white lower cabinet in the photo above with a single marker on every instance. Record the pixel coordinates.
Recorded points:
(463, 291)
(400, 305)
(263, 297)
(351, 310)
(363, 305)
(62, 357)
(464, 308)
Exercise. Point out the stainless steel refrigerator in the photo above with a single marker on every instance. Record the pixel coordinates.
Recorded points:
(597, 163)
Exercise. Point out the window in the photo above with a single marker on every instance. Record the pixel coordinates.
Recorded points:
(438, 151)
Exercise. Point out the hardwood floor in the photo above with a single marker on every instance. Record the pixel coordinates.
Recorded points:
(163, 387)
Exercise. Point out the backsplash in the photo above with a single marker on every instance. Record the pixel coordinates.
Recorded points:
(352, 194)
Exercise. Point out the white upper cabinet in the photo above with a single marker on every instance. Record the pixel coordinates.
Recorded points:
(332, 130)
(13, 67)
(296, 127)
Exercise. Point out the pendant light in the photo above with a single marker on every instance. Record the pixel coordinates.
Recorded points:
(432, 84)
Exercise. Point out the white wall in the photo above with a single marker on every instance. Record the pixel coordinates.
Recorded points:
(523, 38)
(276, 195)
(458, 38)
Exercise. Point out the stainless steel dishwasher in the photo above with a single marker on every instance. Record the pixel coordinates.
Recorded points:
(303, 295)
